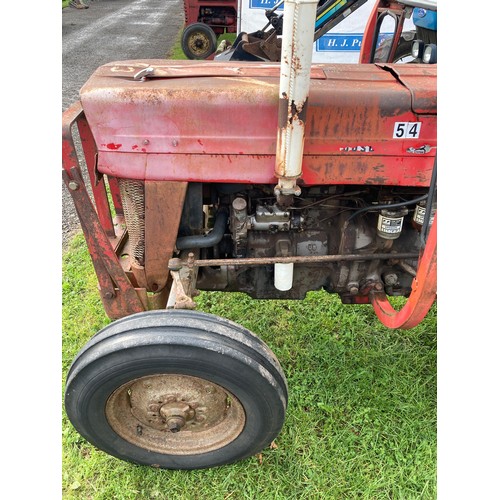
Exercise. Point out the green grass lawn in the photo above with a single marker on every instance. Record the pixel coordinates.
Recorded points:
(361, 421)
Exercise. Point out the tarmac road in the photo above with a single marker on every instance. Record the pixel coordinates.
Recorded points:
(111, 30)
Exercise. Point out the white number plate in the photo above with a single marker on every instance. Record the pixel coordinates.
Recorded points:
(406, 130)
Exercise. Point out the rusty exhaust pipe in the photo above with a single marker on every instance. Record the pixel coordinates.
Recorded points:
(299, 17)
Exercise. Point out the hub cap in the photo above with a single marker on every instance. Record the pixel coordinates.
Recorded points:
(175, 414)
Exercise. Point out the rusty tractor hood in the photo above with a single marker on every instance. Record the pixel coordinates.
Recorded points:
(230, 109)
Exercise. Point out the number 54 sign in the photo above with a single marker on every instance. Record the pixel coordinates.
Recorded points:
(404, 130)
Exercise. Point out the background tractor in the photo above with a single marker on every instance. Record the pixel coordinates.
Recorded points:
(205, 20)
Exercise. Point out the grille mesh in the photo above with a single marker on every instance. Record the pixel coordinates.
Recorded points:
(132, 193)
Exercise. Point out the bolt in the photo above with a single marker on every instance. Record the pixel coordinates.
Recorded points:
(109, 295)
(145, 142)
(175, 423)
(353, 290)
(378, 286)
(239, 204)
(73, 185)
(175, 264)
(175, 143)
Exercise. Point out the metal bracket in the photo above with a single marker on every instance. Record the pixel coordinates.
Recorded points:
(184, 281)
(144, 73)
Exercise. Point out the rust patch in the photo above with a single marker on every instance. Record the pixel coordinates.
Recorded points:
(283, 112)
(298, 111)
(280, 152)
(377, 180)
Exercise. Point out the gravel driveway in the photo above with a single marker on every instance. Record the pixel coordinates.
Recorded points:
(111, 30)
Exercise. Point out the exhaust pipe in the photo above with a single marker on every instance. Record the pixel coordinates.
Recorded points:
(299, 18)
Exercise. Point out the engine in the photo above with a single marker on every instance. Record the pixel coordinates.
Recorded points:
(247, 223)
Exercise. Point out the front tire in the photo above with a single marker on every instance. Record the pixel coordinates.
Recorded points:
(176, 389)
(198, 41)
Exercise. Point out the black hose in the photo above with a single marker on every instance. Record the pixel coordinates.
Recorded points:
(206, 240)
(388, 206)
(424, 232)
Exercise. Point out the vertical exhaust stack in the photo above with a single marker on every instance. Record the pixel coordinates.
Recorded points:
(299, 18)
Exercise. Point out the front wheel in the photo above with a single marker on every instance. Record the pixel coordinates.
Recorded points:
(198, 41)
(176, 389)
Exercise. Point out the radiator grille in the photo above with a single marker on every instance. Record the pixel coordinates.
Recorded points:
(132, 193)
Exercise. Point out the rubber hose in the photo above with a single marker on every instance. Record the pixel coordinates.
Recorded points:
(206, 240)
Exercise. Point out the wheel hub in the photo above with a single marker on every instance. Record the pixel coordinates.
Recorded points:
(175, 414)
(199, 43)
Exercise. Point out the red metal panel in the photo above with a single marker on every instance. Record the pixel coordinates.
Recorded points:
(163, 209)
(419, 79)
(197, 127)
(248, 169)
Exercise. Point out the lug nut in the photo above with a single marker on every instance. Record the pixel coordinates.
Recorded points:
(175, 423)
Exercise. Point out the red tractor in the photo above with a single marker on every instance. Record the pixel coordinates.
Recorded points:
(271, 179)
(204, 21)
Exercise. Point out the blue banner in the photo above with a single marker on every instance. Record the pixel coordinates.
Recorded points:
(340, 42)
(264, 4)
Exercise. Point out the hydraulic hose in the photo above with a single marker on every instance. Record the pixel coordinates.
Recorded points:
(375, 208)
(206, 240)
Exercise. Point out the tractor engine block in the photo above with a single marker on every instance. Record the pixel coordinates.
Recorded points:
(322, 222)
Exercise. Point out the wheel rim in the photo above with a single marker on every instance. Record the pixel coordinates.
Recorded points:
(199, 44)
(175, 414)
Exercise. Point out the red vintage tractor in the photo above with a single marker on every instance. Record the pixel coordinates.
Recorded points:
(204, 21)
(271, 179)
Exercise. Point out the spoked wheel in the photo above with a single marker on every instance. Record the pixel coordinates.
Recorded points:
(198, 41)
(176, 389)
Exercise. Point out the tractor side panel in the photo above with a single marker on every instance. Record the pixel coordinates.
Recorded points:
(218, 123)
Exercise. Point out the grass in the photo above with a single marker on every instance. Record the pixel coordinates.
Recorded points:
(361, 420)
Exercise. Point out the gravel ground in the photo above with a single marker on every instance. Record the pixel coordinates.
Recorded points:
(111, 30)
